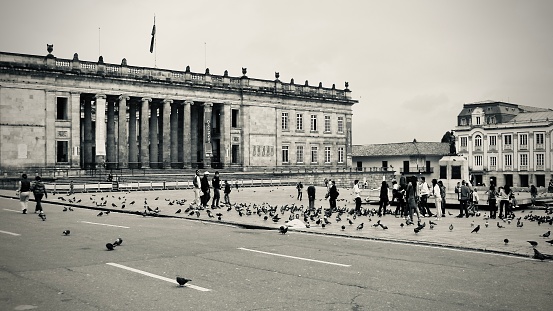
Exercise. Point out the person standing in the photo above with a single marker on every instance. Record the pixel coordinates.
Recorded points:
(550, 187)
(196, 182)
(357, 195)
(464, 195)
(443, 194)
(39, 191)
(412, 196)
(533, 194)
(332, 195)
(437, 194)
(311, 196)
(424, 192)
(205, 188)
(299, 186)
(384, 199)
(492, 201)
(216, 183)
(227, 193)
(24, 192)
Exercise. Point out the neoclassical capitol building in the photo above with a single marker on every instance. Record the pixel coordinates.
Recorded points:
(70, 113)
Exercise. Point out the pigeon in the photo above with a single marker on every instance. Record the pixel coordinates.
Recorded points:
(65, 209)
(107, 212)
(486, 224)
(110, 246)
(178, 211)
(182, 281)
(118, 242)
(540, 256)
(432, 223)
(350, 222)
(401, 225)
(360, 226)
(499, 226)
(343, 227)
(533, 243)
(550, 242)
(66, 232)
(100, 214)
(547, 234)
(283, 229)
(450, 227)
(476, 229)
(506, 241)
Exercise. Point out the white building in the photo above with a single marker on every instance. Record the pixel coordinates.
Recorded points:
(506, 143)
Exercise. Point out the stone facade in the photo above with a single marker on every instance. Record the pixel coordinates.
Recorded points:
(68, 113)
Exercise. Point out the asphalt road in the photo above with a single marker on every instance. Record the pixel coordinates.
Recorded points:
(239, 269)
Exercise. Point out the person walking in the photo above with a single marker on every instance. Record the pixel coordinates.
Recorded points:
(24, 191)
(39, 191)
(227, 192)
(311, 196)
(196, 182)
(384, 199)
(357, 196)
(492, 201)
(332, 195)
(216, 184)
(533, 194)
(299, 187)
(464, 195)
(205, 188)
(424, 192)
(412, 197)
(436, 193)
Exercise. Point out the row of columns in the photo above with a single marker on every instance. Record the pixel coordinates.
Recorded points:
(159, 126)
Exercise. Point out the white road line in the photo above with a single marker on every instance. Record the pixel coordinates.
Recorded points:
(10, 233)
(95, 223)
(294, 257)
(12, 210)
(157, 276)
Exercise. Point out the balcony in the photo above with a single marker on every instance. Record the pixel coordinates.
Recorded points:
(540, 147)
(523, 167)
(508, 147)
(523, 147)
(540, 167)
(417, 170)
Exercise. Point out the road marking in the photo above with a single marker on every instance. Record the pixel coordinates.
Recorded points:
(10, 233)
(294, 257)
(12, 210)
(95, 223)
(157, 276)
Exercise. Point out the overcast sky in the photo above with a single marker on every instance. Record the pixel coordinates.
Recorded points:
(411, 64)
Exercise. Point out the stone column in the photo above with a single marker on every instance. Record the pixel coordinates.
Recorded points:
(154, 155)
(88, 134)
(100, 130)
(123, 138)
(174, 134)
(110, 138)
(226, 141)
(133, 144)
(165, 140)
(349, 161)
(144, 135)
(208, 152)
(186, 141)
(75, 109)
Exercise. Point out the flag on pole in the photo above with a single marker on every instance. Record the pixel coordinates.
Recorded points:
(153, 36)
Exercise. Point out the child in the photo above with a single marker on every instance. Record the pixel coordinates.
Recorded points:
(227, 192)
(475, 201)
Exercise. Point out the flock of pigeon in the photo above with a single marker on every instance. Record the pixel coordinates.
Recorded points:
(343, 216)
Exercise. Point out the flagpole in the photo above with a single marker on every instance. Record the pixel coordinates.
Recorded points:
(155, 45)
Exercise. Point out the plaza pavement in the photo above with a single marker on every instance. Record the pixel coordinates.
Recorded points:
(488, 239)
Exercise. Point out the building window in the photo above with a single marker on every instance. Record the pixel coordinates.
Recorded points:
(539, 138)
(523, 141)
(340, 154)
(493, 141)
(327, 124)
(540, 161)
(314, 150)
(313, 123)
(523, 159)
(234, 121)
(327, 155)
(61, 152)
(340, 124)
(463, 121)
(478, 160)
(477, 120)
(455, 172)
(464, 142)
(285, 121)
(235, 154)
(478, 141)
(299, 122)
(443, 172)
(493, 161)
(507, 141)
(61, 108)
(299, 154)
(508, 160)
(285, 154)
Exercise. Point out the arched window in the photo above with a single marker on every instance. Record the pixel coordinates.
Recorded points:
(478, 141)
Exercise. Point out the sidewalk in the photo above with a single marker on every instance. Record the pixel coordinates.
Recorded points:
(490, 239)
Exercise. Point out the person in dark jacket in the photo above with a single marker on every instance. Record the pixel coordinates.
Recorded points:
(464, 196)
(39, 191)
(204, 186)
(216, 183)
(311, 196)
(333, 195)
(24, 192)
(227, 193)
(383, 198)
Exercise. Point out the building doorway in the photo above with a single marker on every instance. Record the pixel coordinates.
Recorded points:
(540, 180)
(509, 180)
(524, 181)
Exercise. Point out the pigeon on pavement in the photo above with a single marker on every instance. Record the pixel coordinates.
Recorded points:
(182, 281)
